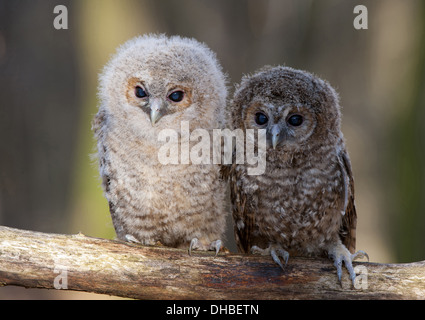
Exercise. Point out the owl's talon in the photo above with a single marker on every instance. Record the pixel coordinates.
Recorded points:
(359, 255)
(194, 244)
(130, 238)
(275, 253)
(215, 245)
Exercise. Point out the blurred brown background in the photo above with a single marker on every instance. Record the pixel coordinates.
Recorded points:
(48, 79)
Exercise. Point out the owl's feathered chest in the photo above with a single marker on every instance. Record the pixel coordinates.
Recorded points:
(157, 202)
(299, 205)
(294, 188)
(132, 165)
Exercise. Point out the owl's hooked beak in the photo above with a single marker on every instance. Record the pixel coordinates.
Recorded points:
(155, 113)
(275, 135)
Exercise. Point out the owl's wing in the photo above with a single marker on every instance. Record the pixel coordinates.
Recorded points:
(243, 210)
(349, 220)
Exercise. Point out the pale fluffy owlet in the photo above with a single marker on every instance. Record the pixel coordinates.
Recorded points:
(154, 83)
(303, 204)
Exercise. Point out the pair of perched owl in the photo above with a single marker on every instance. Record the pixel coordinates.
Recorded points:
(302, 205)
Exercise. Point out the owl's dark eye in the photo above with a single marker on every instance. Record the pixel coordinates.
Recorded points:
(295, 120)
(140, 92)
(176, 96)
(261, 118)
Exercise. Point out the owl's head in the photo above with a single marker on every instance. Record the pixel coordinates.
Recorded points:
(155, 81)
(295, 107)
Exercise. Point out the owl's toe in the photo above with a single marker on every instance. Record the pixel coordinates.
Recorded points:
(276, 252)
(215, 245)
(194, 245)
(130, 238)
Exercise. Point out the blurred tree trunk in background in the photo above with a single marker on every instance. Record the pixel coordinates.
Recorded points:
(38, 113)
(407, 154)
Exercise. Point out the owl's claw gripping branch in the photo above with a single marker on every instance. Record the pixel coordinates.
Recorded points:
(215, 245)
(275, 251)
(195, 244)
(339, 254)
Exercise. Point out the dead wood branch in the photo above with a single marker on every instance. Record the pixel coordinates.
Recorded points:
(42, 260)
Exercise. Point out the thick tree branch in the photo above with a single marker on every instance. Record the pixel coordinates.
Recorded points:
(41, 260)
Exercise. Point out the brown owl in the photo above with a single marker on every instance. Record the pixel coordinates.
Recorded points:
(156, 83)
(303, 204)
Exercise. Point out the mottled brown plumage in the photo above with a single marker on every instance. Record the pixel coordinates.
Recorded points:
(154, 83)
(304, 202)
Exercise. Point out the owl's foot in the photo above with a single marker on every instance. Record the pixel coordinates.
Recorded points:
(146, 242)
(339, 253)
(275, 251)
(195, 244)
(130, 238)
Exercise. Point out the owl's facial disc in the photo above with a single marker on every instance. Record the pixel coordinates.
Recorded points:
(157, 101)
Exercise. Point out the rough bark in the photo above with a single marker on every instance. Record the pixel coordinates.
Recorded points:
(41, 260)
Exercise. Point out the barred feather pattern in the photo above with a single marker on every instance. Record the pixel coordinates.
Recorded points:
(304, 201)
